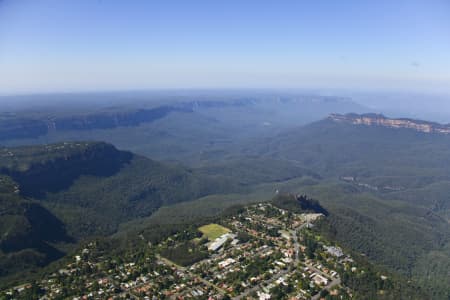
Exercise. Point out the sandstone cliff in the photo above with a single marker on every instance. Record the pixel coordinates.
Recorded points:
(380, 120)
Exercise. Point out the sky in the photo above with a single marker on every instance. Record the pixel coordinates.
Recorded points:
(89, 45)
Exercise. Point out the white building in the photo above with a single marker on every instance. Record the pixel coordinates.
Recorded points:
(225, 263)
(214, 246)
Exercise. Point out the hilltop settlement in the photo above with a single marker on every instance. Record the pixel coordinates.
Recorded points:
(260, 252)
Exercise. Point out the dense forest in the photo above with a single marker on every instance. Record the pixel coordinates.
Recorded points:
(381, 188)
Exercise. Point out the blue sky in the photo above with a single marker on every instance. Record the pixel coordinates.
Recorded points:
(80, 45)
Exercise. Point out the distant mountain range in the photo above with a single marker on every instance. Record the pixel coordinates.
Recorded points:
(30, 125)
(17, 128)
(380, 120)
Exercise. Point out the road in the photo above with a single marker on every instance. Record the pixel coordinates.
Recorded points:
(278, 275)
(327, 287)
(332, 283)
(206, 282)
(294, 234)
(259, 286)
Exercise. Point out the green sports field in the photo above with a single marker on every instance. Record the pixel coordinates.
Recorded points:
(213, 231)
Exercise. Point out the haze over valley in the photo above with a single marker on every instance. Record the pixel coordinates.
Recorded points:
(224, 150)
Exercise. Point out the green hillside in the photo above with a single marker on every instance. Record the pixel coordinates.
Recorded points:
(28, 231)
(389, 161)
(93, 187)
(58, 194)
(386, 190)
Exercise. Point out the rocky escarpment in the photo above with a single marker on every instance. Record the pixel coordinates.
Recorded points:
(106, 120)
(16, 127)
(28, 231)
(12, 127)
(54, 167)
(27, 224)
(26, 125)
(93, 187)
(21, 128)
(380, 120)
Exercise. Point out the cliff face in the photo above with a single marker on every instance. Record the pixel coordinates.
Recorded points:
(57, 166)
(112, 120)
(28, 231)
(27, 224)
(25, 125)
(93, 187)
(380, 120)
(19, 128)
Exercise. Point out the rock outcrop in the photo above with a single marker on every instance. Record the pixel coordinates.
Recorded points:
(380, 120)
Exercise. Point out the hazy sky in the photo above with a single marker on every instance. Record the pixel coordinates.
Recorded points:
(62, 45)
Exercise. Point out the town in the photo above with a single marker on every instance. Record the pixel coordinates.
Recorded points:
(261, 252)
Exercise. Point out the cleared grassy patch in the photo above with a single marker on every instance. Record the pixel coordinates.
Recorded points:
(213, 231)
